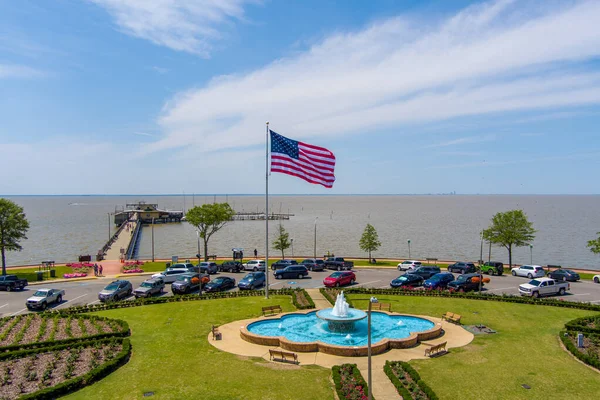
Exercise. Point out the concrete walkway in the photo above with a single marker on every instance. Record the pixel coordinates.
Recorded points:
(383, 389)
(122, 242)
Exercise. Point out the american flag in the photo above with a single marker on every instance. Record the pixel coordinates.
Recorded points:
(314, 164)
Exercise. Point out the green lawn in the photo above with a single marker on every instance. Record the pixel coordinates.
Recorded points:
(31, 276)
(525, 350)
(172, 358)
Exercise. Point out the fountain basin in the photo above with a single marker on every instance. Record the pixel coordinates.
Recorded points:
(341, 324)
(383, 337)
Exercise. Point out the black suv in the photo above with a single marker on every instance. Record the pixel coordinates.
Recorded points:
(231, 266)
(465, 282)
(492, 268)
(426, 272)
(281, 264)
(294, 271)
(313, 264)
(462, 268)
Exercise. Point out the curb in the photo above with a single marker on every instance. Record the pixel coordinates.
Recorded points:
(61, 280)
(138, 274)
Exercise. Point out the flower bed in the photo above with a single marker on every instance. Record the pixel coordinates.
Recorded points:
(133, 271)
(133, 263)
(407, 381)
(302, 300)
(349, 383)
(54, 371)
(75, 275)
(80, 265)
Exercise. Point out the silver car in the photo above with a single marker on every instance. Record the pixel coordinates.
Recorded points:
(149, 287)
(115, 290)
(171, 274)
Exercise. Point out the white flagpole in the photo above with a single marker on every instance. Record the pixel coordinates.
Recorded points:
(267, 214)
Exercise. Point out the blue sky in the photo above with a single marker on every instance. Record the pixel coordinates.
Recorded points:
(172, 96)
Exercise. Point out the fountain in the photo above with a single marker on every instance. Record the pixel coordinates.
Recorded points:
(341, 317)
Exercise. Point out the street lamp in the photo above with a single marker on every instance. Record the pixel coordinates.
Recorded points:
(315, 245)
(152, 239)
(108, 226)
(481, 249)
(408, 248)
(292, 241)
(198, 254)
(369, 379)
(531, 254)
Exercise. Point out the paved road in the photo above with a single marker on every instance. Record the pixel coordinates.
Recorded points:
(86, 292)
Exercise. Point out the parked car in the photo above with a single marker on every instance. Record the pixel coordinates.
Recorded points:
(252, 280)
(338, 263)
(313, 264)
(409, 265)
(426, 272)
(208, 267)
(340, 278)
(189, 282)
(231, 266)
(407, 280)
(254, 265)
(466, 282)
(439, 281)
(12, 282)
(188, 266)
(42, 298)
(281, 264)
(564, 275)
(529, 271)
(543, 287)
(149, 287)
(219, 284)
(115, 290)
(462, 267)
(294, 271)
(171, 274)
(492, 268)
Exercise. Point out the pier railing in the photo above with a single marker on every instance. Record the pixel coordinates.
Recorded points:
(133, 243)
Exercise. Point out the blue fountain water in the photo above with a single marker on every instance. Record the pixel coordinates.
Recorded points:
(309, 328)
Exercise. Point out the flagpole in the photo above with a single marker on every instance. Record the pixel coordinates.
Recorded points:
(267, 214)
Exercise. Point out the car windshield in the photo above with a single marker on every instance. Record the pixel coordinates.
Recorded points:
(335, 275)
(40, 293)
(402, 278)
(112, 286)
(534, 282)
(435, 278)
(146, 284)
(461, 278)
(568, 271)
(183, 278)
(219, 280)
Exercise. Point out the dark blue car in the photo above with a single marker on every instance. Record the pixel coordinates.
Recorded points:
(439, 281)
(252, 280)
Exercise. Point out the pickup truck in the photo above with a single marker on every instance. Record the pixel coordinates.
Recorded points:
(11, 282)
(338, 263)
(543, 287)
(42, 298)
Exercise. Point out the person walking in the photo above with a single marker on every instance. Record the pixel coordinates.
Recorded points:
(95, 269)
(100, 269)
(255, 253)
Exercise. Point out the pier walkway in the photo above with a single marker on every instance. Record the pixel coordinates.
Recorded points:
(121, 241)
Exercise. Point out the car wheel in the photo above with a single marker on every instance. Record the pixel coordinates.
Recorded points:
(529, 276)
(536, 294)
(353, 281)
(337, 284)
(596, 280)
(311, 269)
(339, 268)
(277, 276)
(44, 306)
(561, 292)
(59, 300)
(8, 289)
(255, 269)
(514, 273)
(461, 290)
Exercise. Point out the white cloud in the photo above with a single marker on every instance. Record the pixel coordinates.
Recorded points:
(495, 57)
(463, 140)
(183, 25)
(18, 71)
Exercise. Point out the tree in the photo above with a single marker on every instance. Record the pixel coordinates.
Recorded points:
(13, 227)
(209, 219)
(282, 242)
(594, 245)
(370, 240)
(510, 229)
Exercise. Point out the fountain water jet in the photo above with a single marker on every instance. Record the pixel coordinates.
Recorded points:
(341, 317)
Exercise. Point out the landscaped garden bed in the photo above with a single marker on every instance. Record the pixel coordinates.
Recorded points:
(408, 382)
(302, 299)
(349, 383)
(46, 373)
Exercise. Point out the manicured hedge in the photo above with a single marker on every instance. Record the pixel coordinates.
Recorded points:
(582, 324)
(404, 392)
(79, 382)
(176, 298)
(568, 342)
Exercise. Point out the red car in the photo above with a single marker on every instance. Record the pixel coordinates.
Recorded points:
(340, 278)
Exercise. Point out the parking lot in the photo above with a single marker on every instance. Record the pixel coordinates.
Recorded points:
(86, 292)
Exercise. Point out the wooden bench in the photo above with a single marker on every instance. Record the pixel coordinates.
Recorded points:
(283, 356)
(271, 310)
(381, 306)
(216, 335)
(451, 317)
(212, 257)
(436, 349)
